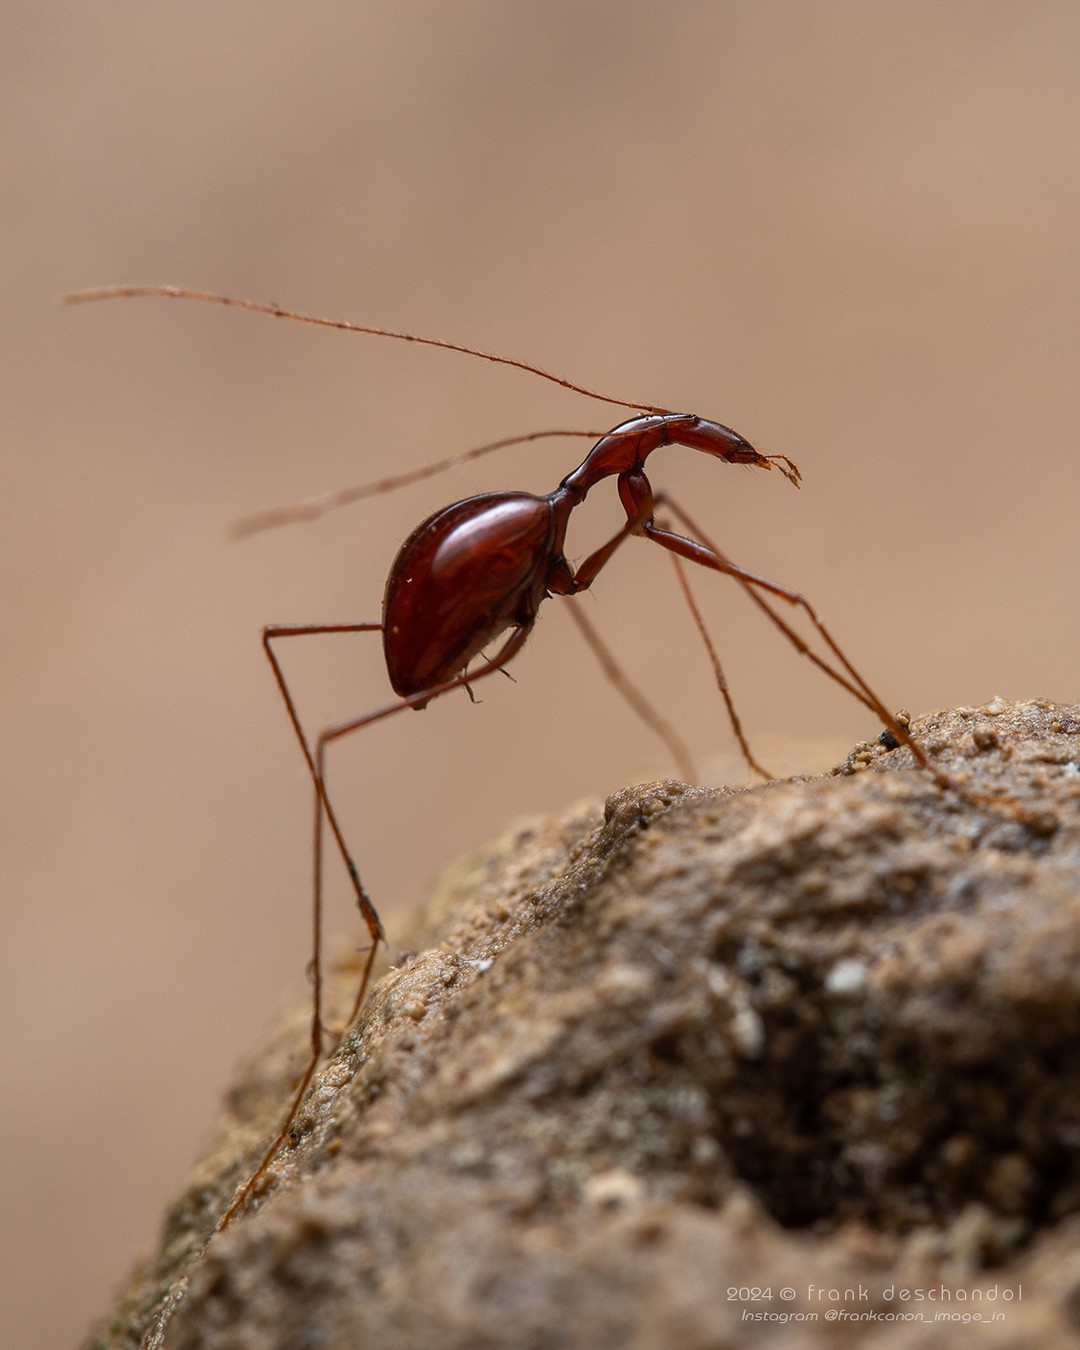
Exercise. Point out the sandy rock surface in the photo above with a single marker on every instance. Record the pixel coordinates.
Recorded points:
(796, 1065)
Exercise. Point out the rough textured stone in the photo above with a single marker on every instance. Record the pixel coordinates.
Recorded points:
(818, 1036)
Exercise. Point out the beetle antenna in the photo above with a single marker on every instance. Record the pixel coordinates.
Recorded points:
(276, 312)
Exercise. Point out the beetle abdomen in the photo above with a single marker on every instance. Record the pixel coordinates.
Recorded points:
(460, 579)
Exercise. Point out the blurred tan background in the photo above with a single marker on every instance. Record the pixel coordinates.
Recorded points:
(849, 230)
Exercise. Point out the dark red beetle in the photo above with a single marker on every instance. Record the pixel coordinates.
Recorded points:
(480, 569)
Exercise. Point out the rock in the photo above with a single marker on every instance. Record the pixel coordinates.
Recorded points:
(703, 1068)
